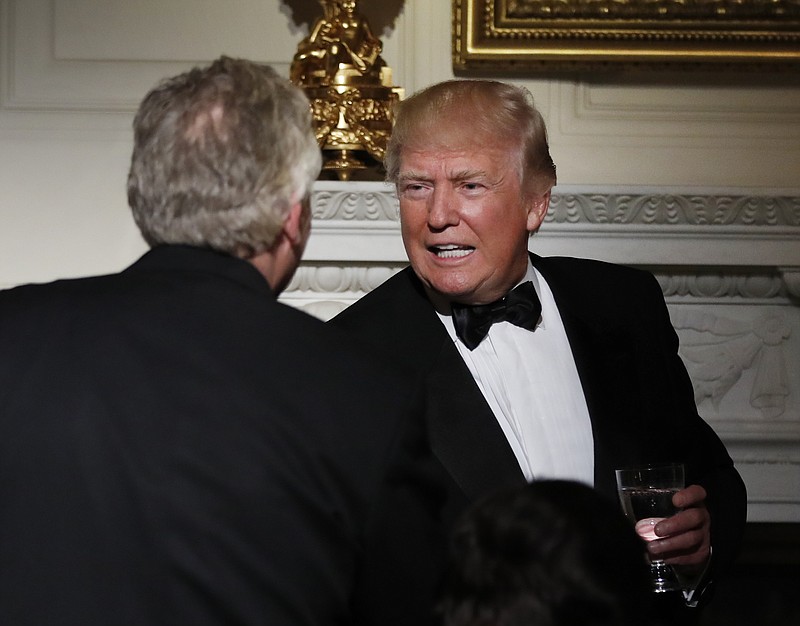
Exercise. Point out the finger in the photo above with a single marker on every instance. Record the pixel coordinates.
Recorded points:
(684, 543)
(686, 520)
(690, 496)
(696, 556)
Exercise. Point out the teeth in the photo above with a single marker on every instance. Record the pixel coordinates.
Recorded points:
(451, 251)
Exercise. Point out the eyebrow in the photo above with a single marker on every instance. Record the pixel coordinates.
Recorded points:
(411, 175)
(457, 176)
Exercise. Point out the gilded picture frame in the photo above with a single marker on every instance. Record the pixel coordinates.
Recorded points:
(524, 35)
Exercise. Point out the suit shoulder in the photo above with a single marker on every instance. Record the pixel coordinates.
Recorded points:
(397, 320)
(394, 290)
(596, 276)
(593, 266)
(44, 298)
(333, 345)
(396, 299)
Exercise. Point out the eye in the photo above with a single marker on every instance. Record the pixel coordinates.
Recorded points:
(472, 187)
(414, 189)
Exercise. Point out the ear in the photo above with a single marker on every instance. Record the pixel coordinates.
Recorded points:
(294, 224)
(537, 210)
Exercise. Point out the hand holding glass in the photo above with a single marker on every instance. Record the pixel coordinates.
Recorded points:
(646, 497)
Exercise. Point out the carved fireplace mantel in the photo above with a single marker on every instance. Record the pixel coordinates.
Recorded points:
(728, 262)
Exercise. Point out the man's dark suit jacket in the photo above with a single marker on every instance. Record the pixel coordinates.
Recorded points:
(176, 447)
(639, 396)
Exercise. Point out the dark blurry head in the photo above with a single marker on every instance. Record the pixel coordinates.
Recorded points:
(554, 553)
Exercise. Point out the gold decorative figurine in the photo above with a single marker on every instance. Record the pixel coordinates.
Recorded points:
(339, 66)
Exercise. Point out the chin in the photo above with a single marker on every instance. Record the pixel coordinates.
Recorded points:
(453, 292)
(450, 285)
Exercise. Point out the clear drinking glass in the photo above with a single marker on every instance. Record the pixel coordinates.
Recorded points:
(646, 497)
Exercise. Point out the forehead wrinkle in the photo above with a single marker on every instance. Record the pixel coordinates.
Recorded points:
(456, 163)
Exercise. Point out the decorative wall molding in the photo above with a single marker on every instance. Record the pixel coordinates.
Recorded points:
(764, 285)
(676, 209)
(718, 349)
(373, 202)
(85, 56)
(378, 202)
(666, 106)
(331, 279)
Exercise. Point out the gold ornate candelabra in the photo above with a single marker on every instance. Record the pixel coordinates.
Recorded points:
(339, 66)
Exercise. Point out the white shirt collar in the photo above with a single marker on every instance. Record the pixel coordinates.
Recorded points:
(442, 305)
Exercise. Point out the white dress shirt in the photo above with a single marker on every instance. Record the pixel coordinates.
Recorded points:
(531, 384)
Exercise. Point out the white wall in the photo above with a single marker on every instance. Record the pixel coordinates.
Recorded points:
(715, 156)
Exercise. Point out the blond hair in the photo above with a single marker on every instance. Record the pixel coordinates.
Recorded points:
(443, 113)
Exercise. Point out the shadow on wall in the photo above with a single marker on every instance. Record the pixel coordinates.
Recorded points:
(381, 14)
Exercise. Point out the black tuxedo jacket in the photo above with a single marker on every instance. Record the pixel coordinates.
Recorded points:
(639, 395)
(176, 447)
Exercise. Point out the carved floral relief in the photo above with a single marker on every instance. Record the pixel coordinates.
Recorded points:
(718, 351)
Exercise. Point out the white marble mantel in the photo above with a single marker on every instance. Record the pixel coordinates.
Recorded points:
(728, 262)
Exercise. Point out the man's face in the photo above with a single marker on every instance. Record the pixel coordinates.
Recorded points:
(464, 219)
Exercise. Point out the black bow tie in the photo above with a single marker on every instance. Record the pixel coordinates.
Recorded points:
(520, 307)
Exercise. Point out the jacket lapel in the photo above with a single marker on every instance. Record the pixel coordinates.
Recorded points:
(602, 357)
(464, 432)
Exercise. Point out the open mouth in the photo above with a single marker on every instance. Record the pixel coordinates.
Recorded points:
(451, 251)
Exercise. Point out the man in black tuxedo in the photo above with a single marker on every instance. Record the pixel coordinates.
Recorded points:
(581, 376)
(176, 447)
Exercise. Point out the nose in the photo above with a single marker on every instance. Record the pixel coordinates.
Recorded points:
(442, 208)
